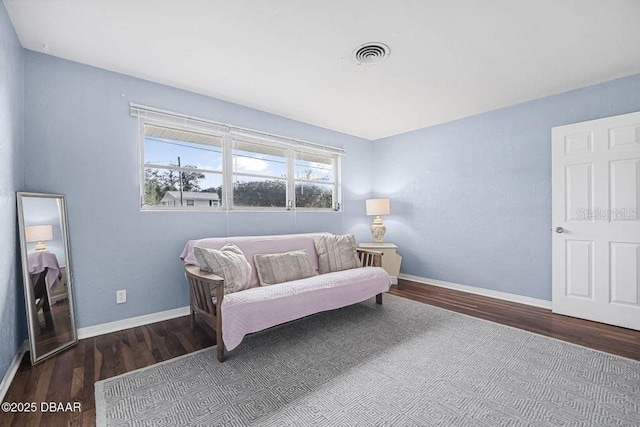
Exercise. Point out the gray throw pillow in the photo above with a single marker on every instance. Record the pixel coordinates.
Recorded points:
(284, 267)
(336, 253)
(229, 263)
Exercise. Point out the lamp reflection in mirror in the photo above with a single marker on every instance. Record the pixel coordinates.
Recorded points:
(39, 234)
(378, 207)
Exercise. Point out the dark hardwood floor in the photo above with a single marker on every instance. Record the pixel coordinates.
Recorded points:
(70, 375)
(607, 338)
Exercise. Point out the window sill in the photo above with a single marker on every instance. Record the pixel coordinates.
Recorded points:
(238, 210)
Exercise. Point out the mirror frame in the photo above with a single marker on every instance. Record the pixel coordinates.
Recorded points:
(28, 287)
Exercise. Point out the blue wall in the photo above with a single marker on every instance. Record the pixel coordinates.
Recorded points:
(471, 199)
(12, 314)
(82, 142)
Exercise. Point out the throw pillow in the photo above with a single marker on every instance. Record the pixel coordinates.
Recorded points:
(284, 267)
(336, 253)
(229, 263)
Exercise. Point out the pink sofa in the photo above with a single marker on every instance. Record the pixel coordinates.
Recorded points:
(260, 307)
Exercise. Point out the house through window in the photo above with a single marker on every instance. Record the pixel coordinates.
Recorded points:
(181, 168)
(191, 164)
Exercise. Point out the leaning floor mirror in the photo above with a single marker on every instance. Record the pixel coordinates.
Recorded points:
(46, 272)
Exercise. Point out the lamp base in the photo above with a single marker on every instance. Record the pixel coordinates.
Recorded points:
(378, 229)
(40, 247)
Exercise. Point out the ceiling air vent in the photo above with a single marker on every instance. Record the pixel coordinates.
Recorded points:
(371, 53)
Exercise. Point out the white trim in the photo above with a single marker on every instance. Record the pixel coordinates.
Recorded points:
(536, 302)
(132, 322)
(13, 369)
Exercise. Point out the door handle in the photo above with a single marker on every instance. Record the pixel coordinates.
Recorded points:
(559, 230)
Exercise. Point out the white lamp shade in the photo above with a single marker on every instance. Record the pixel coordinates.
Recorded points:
(39, 233)
(378, 207)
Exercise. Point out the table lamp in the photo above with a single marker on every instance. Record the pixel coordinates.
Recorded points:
(39, 234)
(378, 207)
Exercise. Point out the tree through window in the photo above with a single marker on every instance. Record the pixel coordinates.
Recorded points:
(191, 167)
(181, 168)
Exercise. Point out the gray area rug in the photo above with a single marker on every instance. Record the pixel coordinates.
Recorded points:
(400, 364)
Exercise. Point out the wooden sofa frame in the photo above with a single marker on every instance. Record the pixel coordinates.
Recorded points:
(201, 285)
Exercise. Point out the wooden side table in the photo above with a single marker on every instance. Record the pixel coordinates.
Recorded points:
(391, 260)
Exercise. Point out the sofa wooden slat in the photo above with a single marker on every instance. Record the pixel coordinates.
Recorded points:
(201, 284)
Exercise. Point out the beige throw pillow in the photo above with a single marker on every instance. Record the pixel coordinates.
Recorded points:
(229, 263)
(336, 253)
(284, 267)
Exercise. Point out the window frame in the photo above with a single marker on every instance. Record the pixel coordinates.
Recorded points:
(228, 136)
(232, 174)
(335, 193)
(142, 166)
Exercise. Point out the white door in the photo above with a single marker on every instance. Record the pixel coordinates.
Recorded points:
(596, 226)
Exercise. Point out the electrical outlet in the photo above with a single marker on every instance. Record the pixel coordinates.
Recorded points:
(121, 296)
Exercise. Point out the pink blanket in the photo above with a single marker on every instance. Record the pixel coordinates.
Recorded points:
(262, 307)
(38, 261)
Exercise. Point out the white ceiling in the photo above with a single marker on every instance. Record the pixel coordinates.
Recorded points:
(449, 59)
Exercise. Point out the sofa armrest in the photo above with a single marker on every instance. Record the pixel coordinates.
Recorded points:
(369, 258)
(195, 271)
(201, 284)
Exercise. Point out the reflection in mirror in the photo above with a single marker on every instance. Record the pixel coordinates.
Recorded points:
(44, 243)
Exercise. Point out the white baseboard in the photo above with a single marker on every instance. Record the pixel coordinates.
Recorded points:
(132, 322)
(13, 368)
(479, 291)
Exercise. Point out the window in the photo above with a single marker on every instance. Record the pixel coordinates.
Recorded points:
(181, 168)
(314, 180)
(259, 175)
(192, 164)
